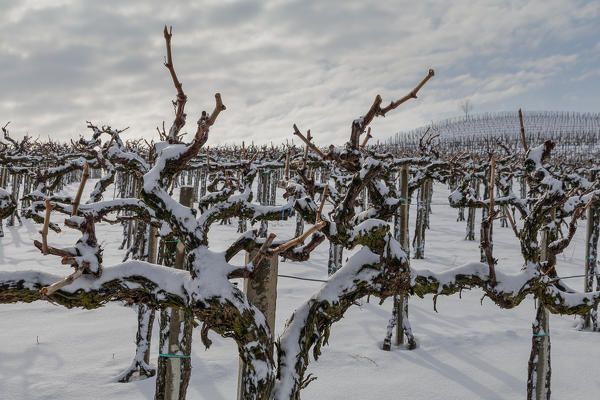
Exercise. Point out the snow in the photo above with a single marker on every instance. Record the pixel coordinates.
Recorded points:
(468, 350)
(364, 228)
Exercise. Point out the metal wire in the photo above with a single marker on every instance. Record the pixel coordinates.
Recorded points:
(323, 280)
(302, 279)
(573, 276)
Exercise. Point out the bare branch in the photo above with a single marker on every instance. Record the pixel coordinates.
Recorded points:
(300, 239)
(307, 141)
(262, 252)
(84, 177)
(179, 120)
(44, 230)
(55, 251)
(359, 125)
(48, 290)
(323, 198)
(510, 219)
(364, 143)
(411, 95)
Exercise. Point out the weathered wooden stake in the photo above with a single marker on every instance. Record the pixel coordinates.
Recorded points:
(261, 292)
(523, 139)
(399, 318)
(471, 214)
(419, 239)
(539, 370)
(403, 239)
(590, 320)
(152, 246)
(179, 336)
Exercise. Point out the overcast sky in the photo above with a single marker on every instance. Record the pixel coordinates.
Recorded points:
(318, 64)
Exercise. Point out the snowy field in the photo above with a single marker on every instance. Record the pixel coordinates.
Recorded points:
(467, 350)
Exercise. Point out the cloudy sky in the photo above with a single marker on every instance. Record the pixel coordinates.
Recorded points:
(315, 63)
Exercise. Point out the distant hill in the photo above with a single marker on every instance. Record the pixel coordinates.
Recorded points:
(570, 126)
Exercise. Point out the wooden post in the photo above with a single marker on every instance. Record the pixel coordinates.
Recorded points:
(16, 183)
(261, 292)
(471, 214)
(590, 260)
(131, 193)
(264, 196)
(3, 185)
(3, 177)
(524, 140)
(287, 165)
(403, 239)
(203, 178)
(420, 223)
(152, 242)
(484, 215)
(539, 370)
(543, 381)
(591, 255)
(331, 260)
(399, 318)
(429, 196)
(178, 369)
(146, 315)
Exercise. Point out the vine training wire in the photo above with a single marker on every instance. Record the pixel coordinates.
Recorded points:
(302, 279)
(324, 280)
(573, 276)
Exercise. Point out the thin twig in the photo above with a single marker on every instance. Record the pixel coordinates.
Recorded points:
(510, 219)
(84, 178)
(44, 230)
(323, 197)
(319, 224)
(262, 252)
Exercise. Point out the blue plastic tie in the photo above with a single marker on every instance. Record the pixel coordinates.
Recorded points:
(540, 334)
(283, 212)
(173, 356)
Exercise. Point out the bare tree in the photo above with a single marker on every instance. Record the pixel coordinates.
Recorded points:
(466, 106)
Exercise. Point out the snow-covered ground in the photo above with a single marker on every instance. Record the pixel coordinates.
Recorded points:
(468, 350)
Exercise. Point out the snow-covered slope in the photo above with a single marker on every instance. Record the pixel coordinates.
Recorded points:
(506, 124)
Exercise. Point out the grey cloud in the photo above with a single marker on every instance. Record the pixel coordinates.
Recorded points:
(315, 63)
